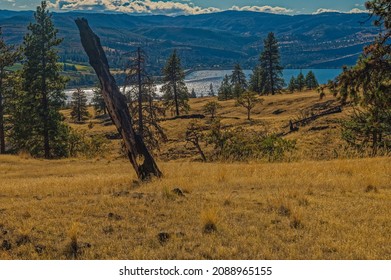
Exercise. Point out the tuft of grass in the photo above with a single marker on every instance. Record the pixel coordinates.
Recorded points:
(73, 248)
(209, 220)
(296, 220)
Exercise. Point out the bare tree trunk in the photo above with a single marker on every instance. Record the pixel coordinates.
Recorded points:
(116, 105)
(140, 96)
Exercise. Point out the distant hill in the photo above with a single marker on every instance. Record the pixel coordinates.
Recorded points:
(327, 40)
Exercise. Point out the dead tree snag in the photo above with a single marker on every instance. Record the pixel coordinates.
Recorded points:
(116, 104)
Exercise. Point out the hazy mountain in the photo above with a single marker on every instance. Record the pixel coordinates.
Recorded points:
(320, 41)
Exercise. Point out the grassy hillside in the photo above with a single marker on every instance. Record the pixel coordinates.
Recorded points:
(318, 140)
(320, 203)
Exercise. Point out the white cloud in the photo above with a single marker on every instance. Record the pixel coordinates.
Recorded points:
(352, 11)
(132, 6)
(152, 7)
(357, 11)
(322, 10)
(265, 9)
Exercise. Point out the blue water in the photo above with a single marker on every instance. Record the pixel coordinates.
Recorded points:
(200, 80)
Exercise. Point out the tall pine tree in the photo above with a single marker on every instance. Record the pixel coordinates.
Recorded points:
(310, 80)
(176, 94)
(8, 56)
(270, 63)
(257, 80)
(225, 89)
(367, 85)
(37, 121)
(300, 82)
(79, 111)
(238, 81)
(98, 101)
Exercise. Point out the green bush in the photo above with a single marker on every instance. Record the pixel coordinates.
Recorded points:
(242, 144)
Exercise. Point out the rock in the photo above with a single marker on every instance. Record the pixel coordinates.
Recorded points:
(163, 237)
(209, 228)
(39, 248)
(6, 245)
(22, 239)
(178, 192)
(115, 217)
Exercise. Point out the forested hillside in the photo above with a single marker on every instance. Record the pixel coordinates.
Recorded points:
(327, 40)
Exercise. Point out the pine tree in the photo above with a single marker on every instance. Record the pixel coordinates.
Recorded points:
(8, 56)
(225, 90)
(300, 82)
(37, 126)
(367, 85)
(292, 85)
(79, 106)
(193, 93)
(211, 90)
(140, 91)
(238, 81)
(98, 101)
(257, 80)
(176, 94)
(311, 81)
(270, 63)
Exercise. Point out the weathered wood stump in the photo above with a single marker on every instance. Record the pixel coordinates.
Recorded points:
(138, 154)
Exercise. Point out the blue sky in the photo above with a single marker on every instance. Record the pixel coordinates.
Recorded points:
(175, 7)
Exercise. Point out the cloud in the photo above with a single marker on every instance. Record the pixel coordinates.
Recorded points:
(357, 11)
(322, 10)
(352, 11)
(264, 9)
(185, 7)
(132, 6)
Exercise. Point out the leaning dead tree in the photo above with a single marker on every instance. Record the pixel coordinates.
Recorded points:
(116, 104)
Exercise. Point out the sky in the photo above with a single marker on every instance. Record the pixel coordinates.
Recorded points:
(187, 7)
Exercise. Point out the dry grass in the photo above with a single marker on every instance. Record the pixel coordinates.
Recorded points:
(319, 140)
(306, 209)
(92, 209)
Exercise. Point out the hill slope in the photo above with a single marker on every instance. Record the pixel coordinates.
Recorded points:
(324, 40)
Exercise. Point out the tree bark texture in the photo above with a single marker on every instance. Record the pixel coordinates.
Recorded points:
(116, 105)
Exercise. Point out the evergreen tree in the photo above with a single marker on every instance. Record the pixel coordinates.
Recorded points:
(292, 85)
(98, 101)
(37, 125)
(193, 93)
(257, 80)
(8, 56)
(225, 90)
(300, 82)
(311, 81)
(270, 63)
(140, 91)
(211, 90)
(367, 85)
(238, 81)
(79, 106)
(176, 94)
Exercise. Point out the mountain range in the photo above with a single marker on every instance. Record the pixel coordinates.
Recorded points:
(327, 40)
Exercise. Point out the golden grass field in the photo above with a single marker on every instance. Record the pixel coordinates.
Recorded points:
(317, 206)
